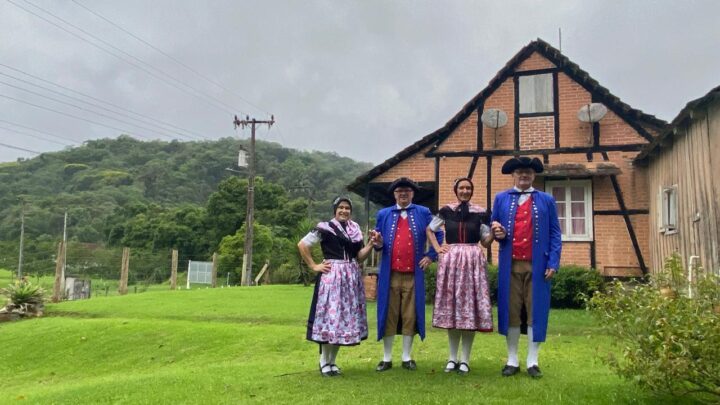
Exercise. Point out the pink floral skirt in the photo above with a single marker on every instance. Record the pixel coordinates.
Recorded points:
(462, 297)
(340, 315)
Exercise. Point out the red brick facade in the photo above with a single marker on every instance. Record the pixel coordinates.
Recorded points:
(619, 243)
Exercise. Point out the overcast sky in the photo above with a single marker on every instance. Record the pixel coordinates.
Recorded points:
(363, 79)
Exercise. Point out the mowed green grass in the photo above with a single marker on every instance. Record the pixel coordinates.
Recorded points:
(237, 345)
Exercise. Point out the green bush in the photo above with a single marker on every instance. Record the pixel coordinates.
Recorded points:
(571, 285)
(669, 344)
(24, 298)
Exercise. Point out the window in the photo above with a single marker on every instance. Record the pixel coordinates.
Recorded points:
(667, 210)
(536, 93)
(574, 208)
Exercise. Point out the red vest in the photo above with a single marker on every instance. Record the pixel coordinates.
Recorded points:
(522, 233)
(403, 252)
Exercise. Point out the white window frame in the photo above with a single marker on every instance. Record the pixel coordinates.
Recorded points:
(668, 210)
(531, 88)
(587, 185)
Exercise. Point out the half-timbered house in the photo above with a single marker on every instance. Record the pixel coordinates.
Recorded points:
(602, 195)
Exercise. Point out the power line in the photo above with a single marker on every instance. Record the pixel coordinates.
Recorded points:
(197, 93)
(172, 136)
(39, 131)
(34, 136)
(19, 148)
(169, 56)
(188, 132)
(72, 116)
(85, 109)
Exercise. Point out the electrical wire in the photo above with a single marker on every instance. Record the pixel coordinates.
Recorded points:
(168, 79)
(190, 69)
(187, 133)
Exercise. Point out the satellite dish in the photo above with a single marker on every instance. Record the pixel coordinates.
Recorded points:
(592, 112)
(494, 118)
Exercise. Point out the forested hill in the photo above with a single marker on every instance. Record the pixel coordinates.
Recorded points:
(113, 190)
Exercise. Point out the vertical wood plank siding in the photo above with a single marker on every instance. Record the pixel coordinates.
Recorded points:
(693, 164)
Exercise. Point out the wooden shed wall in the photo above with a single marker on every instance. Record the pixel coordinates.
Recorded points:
(692, 163)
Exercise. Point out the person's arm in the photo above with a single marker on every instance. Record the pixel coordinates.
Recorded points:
(435, 225)
(365, 251)
(304, 246)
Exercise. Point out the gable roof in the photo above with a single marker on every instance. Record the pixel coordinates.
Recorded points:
(665, 137)
(636, 118)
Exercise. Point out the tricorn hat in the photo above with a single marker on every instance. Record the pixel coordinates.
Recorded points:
(522, 162)
(403, 182)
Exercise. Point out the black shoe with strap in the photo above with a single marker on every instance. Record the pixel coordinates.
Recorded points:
(460, 368)
(384, 366)
(451, 366)
(509, 370)
(326, 370)
(335, 370)
(534, 372)
(409, 365)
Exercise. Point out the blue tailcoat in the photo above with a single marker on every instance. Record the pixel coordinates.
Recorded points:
(419, 218)
(546, 247)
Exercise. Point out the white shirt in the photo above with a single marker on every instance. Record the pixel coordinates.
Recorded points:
(523, 197)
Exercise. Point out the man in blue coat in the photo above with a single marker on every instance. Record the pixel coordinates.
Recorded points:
(525, 223)
(400, 233)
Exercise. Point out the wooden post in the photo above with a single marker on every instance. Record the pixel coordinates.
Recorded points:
(57, 288)
(173, 270)
(262, 271)
(125, 267)
(243, 274)
(214, 271)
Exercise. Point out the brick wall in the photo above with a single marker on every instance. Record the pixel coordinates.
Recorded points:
(535, 62)
(503, 98)
(573, 132)
(463, 138)
(537, 133)
(417, 167)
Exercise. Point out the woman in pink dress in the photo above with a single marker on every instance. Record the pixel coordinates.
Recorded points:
(462, 297)
(338, 314)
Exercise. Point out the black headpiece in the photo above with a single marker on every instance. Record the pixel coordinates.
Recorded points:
(522, 162)
(403, 182)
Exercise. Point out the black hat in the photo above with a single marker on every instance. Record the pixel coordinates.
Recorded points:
(522, 162)
(403, 182)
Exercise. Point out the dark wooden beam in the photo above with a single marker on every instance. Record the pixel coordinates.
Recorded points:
(626, 217)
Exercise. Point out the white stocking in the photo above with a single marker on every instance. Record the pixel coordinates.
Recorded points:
(387, 347)
(454, 342)
(407, 347)
(468, 336)
(533, 349)
(512, 339)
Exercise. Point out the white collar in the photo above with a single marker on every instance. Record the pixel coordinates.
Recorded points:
(529, 190)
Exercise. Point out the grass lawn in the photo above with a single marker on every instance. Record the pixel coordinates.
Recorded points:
(231, 345)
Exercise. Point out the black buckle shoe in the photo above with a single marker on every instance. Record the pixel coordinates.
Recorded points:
(534, 372)
(450, 368)
(409, 365)
(335, 370)
(328, 370)
(384, 366)
(509, 370)
(461, 371)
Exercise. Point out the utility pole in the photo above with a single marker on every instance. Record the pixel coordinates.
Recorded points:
(22, 240)
(249, 220)
(64, 254)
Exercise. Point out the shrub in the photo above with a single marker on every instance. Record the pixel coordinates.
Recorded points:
(572, 285)
(24, 298)
(669, 344)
